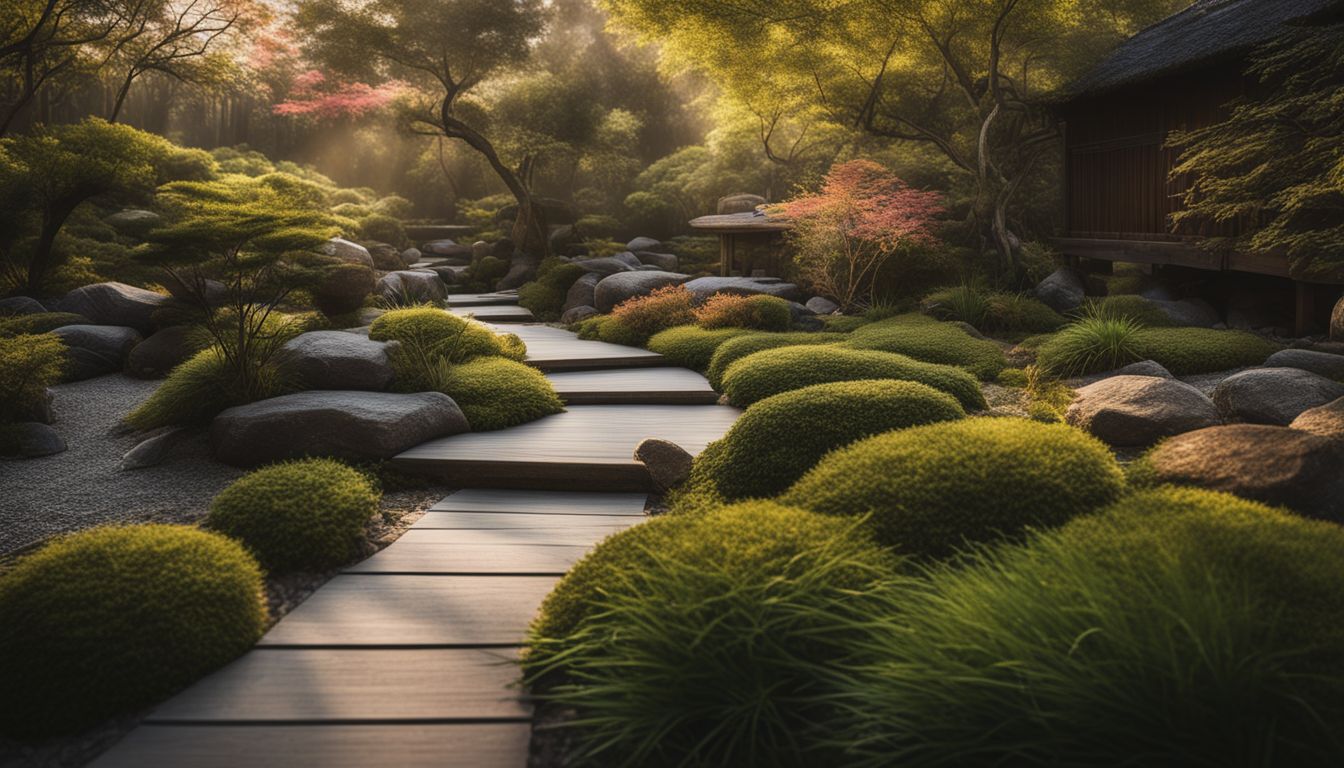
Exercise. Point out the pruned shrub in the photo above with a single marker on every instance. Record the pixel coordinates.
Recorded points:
(691, 346)
(383, 229)
(992, 311)
(305, 515)
(759, 312)
(740, 346)
(931, 341)
(760, 375)
(429, 337)
(28, 365)
(931, 490)
(38, 322)
(780, 438)
(488, 270)
(545, 296)
(711, 639)
(665, 307)
(496, 393)
(199, 389)
(1179, 627)
(110, 620)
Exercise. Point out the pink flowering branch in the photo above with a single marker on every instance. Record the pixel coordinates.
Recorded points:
(312, 94)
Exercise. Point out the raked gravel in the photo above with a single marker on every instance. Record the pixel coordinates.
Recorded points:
(83, 486)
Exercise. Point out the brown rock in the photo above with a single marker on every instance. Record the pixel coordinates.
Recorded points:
(668, 463)
(1140, 410)
(1326, 421)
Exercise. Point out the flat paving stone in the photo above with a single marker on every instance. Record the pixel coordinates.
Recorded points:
(408, 611)
(437, 552)
(542, 502)
(503, 521)
(280, 685)
(555, 349)
(477, 745)
(634, 386)
(456, 300)
(496, 314)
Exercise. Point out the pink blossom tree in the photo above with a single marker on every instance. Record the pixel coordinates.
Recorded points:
(313, 94)
(862, 217)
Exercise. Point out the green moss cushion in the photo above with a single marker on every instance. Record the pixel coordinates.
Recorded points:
(739, 347)
(1187, 351)
(760, 375)
(304, 515)
(1136, 308)
(691, 346)
(932, 489)
(926, 339)
(110, 620)
(496, 393)
(1178, 627)
(28, 365)
(200, 388)
(781, 437)
(435, 332)
(39, 322)
(545, 296)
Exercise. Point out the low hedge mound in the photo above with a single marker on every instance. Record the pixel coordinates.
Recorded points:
(28, 365)
(691, 346)
(1188, 351)
(643, 316)
(199, 389)
(1136, 308)
(740, 346)
(305, 515)
(780, 438)
(497, 393)
(931, 490)
(110, 620)
(928, 340)
(434, 332)
(545, 296)
(1179, 627)
(759, 312)
(38, 322)
(760, 375)
(709, 639)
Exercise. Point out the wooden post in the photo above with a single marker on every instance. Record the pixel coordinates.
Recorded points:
(727, 252)
(1304, 314)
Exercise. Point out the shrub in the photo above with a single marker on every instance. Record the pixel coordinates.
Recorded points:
(1002, 312)
(759, 312)
(28, 365)
(844, 323)
(305, 515)
(489, 270)
(760, 375)
(395, 206)
(780, 438)
(109, 620)
(1136, 308)
(1092, 344)
(1187, 351)
(199, 389)
(39, 322)
(545, 296)
(931, 341)
(932, 489)
(740, 346)
(961, 302)
(710, 639)
(383, 229)
(665, 307)
(691, 346)
(429, 335)
(1177, 628)
(496, 393)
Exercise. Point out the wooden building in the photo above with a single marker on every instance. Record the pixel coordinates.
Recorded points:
(1178, 74)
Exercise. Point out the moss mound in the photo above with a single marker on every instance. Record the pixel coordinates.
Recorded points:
(496, 393)
(545, 296)
(198, 390)
(740, 346)
(305, 515)
(1136, 308)
(38, 322)
(1179, 627)
(1187, 351)
(773, 371)
(759, 312)
(780, 438)
(109, 620)
(643, 316)
(691, 346)
(932, 489)
(28, 365)
(436, 333)
(926, 339)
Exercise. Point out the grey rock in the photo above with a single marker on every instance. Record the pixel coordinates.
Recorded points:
(605, 265)
(1274, 465)
(1062, 291)
(822, 305)
(1273, 395)
(629, 259)
(1337, 321)
(411, 256)
(347, 251)
(36, 440)
(665, 261)
(743, 203)
(161, 352)
(968, 329)
(449, 250)
(133, 221)
(614, 289)
(1140, 410)
(450, 274)
(153, 450)
(522, 269)
(21, 305)
(197, 292)
(643, 244)
(115, 304)
(583, 293)
(412, 286)
(704, 287)
(337, 360)
(480, 249)
(1196, 313)
(344, 288)
(669, 464)
(386, 257)
(1320, 363)
(94, 350)
(346, 425)
(578, 314)
(1144, 368)
(1324, 420)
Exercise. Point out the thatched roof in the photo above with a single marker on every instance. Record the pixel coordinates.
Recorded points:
(1207, 31)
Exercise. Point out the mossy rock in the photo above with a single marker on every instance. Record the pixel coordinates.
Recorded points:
(305, 515)
(931, 490)
(931, 341)
(762, 374)
(780, 438)
(691, 346)
(497, 393)
(110, 620)
(545, 296)
(739, 347)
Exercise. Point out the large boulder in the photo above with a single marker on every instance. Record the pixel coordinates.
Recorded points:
(411, 256)
(583, 293)
(386, 257)
(163, 351)
(1144, 368)
(1275, 465)
(617, 288)
(1273, 395)
(821, 305)
(448, 249)
(345, 250)
(664, 261)
(704, 287)
(197, 292)
(115, 304)
(337, 360)
(629, 259)
(33, 440)
(743, 203)
(605, 265)
(133, 221)
(20, 305)
(1324, 420)
(407, 286)
(1190, 312)
(578, 314)
(1140, 410)
(1320, 363)
(345, 425)
(343, 288)
(93, 350)
(1062, 291)
(643, 244)
(1337, 321)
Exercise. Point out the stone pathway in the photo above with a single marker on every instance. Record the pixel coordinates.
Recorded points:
(407, 659)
